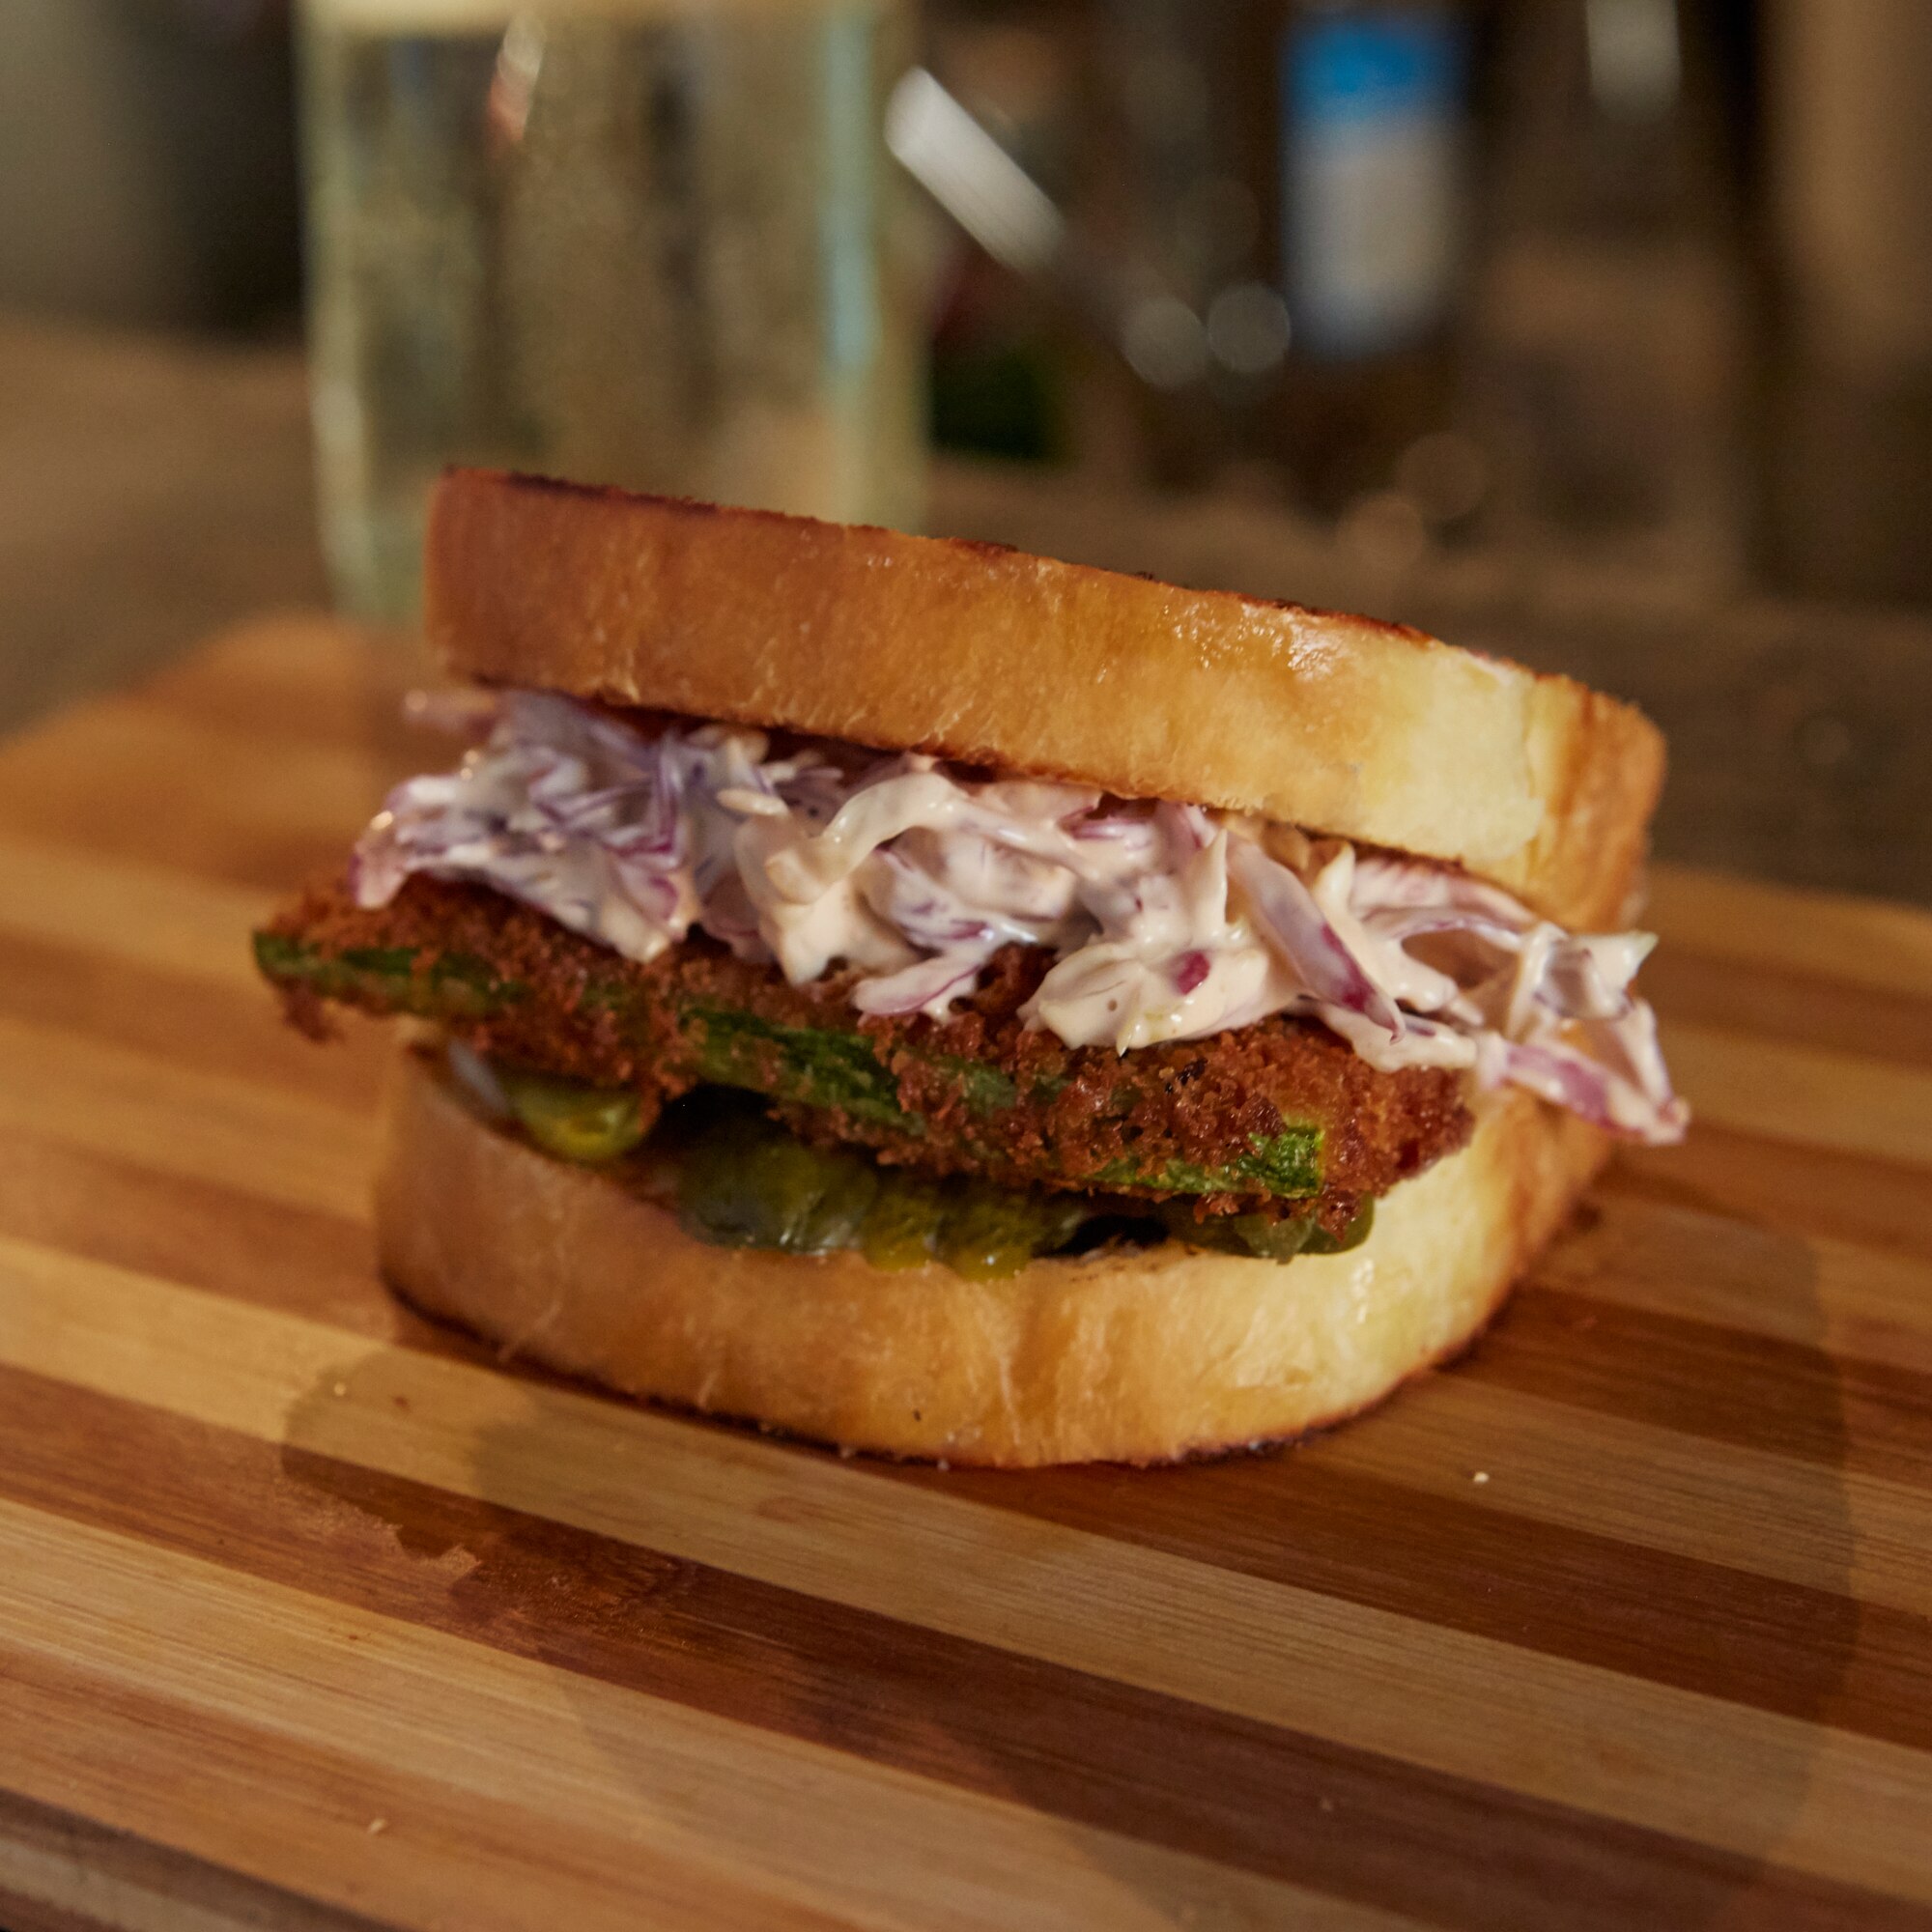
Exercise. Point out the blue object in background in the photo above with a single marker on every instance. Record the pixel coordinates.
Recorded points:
(1372, 182)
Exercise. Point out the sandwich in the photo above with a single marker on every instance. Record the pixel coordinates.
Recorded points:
(942, 1002)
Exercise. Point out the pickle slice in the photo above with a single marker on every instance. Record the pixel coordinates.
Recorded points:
(573, 1121)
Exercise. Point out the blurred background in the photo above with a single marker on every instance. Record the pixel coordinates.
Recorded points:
(1594, 332)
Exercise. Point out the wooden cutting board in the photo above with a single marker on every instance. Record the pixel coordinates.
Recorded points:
(312, 1616)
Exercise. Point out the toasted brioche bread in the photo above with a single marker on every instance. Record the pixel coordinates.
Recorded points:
(1135, 1356)
(1339, 725)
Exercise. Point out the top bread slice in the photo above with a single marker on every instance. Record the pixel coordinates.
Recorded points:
(1338, 725)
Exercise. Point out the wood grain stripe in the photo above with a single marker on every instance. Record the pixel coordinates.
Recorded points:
(1855, 941)
(1760, 1515)
(141, 786)
(1790, 1651)
(1780, 1183)
(1698, 1379)
(1552, 1587)
(1804, 1523)
(60, 1871)
(203, 1126)
(725, 1813)
(1853, 1302)
(1548, 1728)
(1218, 1787)
(144, 916)
(194, 1774)
(206, 1028)
(1694, 988)
(299, 677)
(1803, 1094)
(1566, 1589)
(113, 1209)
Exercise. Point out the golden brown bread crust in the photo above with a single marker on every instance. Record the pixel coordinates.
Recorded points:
(1136, 1357)
(1337, 723)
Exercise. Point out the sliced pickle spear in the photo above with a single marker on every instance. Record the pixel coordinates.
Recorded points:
(573, 1121)
(744, 1180)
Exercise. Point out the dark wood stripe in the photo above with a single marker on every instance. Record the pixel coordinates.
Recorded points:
(202, 1235)
(1807, 1190)
(20, 1913)
(1060, 1742)
(1776, 1002)
(221, 1781)
(1802, 1652)
(102, 1208)
(203, 1025)
(1856, 1303)
(119, 1855)
(1720, 1383)
(1643, 1613)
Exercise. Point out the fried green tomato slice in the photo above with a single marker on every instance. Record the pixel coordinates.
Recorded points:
(1281, 1118)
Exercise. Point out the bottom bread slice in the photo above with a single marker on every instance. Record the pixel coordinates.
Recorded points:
(1138, 1357)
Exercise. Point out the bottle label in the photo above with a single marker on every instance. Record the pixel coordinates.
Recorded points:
(1372, 172)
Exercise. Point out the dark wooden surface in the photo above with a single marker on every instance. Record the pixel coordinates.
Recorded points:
(313, 1616)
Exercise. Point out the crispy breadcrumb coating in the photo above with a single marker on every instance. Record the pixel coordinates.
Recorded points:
(979, 1093)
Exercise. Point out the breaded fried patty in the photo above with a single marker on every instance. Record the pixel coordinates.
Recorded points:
(1277, 1117)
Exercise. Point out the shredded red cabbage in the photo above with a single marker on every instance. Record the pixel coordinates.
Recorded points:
(1168, 921)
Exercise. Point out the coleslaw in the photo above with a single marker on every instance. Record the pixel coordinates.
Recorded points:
(1167, 921)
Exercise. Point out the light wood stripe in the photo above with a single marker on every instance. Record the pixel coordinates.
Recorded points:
(1608, 1475)
(1776, 1004)
(101, 1207)
(141, 786)
(234, 1032)
(1571, 1734)
(1803, 1093)
(36, 1881)
(1683, 1627)
(1866, 1420)
(154, 917)
(187, 1777)
(1855, 941)
(677, 1791)
(301, 676)
(1568, 1590)
(202, 1126)
(1756, 1179)
(62, 1868)
(1806, 1523)
(1201, 1782)
(1852, 1301)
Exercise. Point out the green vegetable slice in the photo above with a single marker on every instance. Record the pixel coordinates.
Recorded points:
(571, 1120)
(832, 1068)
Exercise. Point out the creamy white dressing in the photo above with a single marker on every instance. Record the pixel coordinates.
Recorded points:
(1170, 922)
